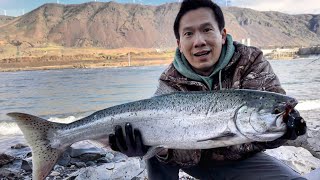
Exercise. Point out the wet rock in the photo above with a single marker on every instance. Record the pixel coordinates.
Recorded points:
(58, 168)
(313, 175)
(5, 159)
(109, 156)
(89, 157)
(106, 159)
(103, 160)
(54, 173)
(128, 169)
(26, 166)
(90, 163)
(297, 158)
(19, 146)
(119, 157)
(29, 154)
(109, 166)
(19, 153)
(79, 164)
(9, 173)
(64, 160)
(16, 164)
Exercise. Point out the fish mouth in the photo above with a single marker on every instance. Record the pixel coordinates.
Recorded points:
(286, 109)
(280, 119)
(202, 53)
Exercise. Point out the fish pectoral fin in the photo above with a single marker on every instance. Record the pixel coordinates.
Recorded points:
(153, 151)
(220, 137)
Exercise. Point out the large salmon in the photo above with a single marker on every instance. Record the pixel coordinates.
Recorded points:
(181, 120)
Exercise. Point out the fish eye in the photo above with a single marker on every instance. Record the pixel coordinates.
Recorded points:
(276, 111)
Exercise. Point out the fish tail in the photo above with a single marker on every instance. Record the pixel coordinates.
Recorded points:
(35, 131)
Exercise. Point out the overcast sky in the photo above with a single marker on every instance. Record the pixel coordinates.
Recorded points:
(287, 6)
(18, 7)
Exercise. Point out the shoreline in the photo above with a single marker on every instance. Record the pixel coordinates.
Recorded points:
(54, 57)
(82, 64)
(42, 68)
(58, 57)
(33, 65)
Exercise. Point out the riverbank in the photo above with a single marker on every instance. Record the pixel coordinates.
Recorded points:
(81, 64)
(56, 57)
(85, 161)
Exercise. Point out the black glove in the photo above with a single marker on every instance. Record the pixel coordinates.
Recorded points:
(296, 126)
(130, 145)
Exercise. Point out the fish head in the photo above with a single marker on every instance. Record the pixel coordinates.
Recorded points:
(264, 119)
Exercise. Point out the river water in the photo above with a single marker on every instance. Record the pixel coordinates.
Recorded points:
(65, 95)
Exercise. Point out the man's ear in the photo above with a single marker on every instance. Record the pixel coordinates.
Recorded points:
(178, 44)
(224, 35)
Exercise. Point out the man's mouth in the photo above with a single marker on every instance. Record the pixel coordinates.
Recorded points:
(201, 53)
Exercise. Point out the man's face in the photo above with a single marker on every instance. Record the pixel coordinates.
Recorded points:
(201, 40)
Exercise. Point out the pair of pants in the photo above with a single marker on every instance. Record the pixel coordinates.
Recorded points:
(257, 167)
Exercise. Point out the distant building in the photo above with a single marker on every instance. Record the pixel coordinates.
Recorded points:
(223, 3)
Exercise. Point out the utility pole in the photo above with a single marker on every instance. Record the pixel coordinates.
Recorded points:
(129, 59)
(228, 3)
(4, 11)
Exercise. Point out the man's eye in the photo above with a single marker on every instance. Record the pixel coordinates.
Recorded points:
(207, 29)
(188, 33)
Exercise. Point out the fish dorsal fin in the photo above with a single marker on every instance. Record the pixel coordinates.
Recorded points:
(153, 151)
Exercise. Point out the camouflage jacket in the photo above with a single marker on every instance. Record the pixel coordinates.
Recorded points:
(246, 70)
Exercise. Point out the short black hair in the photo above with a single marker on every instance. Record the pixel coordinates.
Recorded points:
(188, 5)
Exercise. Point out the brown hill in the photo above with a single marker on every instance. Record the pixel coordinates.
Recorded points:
(275, 28)
(5, 19)
(114, 25)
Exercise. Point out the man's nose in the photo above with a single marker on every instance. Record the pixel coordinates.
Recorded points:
(199, 40)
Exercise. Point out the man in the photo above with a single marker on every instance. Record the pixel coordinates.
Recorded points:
(208, 59)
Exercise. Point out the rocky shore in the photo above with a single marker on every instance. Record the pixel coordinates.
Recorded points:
(85, 161)
(68, 62)
(81, 161)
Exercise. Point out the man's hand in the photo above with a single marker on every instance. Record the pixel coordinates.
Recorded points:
(131, 144)
(296, 126)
